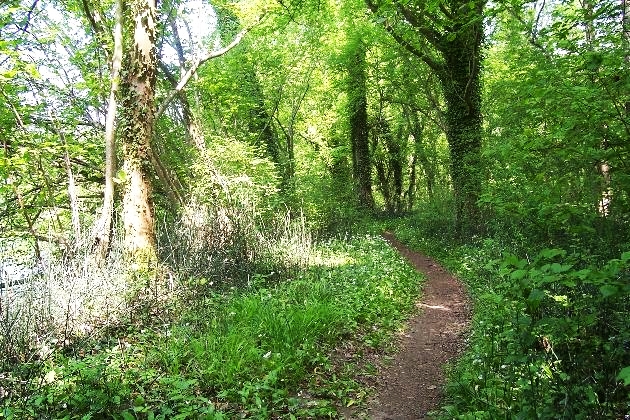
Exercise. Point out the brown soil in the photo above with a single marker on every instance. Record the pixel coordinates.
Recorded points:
(412, 385)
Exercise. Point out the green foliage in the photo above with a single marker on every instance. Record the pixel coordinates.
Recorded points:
(246, 352)
(550, 334)
(556, 126)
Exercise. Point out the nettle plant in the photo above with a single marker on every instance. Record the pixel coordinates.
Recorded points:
(559, 338)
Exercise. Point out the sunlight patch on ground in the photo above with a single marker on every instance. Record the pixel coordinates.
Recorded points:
(335, 260)
(440, 307)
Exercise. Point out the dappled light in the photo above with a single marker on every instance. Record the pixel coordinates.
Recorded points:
(206, 206)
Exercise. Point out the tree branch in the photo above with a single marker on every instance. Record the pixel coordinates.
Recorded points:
(431, 35)
(195, 66)
(433, 64)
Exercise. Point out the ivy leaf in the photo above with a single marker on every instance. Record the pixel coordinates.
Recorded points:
(518, 274)
(624, 376)
(608, 290)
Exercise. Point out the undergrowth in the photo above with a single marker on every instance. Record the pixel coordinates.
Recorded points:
(259, 350)
(550, 336)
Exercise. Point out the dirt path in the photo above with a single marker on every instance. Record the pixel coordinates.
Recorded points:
(412, 385)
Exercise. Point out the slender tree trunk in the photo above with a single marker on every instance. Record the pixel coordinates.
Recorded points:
(421, 154)
(357, 98)
(72, 192)
(396, 166)
(194, 134)
(411, 188)
(104, 225)
(138, 94)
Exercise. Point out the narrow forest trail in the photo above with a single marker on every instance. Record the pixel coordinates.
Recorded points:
(412, 385)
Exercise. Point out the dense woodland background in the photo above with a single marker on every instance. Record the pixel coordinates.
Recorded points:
(190, 192)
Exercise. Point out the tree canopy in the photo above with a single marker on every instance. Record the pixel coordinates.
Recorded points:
(123, 123)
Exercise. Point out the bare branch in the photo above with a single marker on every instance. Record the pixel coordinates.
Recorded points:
(195, 66)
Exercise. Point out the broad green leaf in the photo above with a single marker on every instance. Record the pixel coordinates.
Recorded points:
(560, 268)
(551, 253)
(624, 375)
(518, 274)
(127, 415)
(609, 290)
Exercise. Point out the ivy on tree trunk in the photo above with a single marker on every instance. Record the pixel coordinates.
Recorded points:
(357, 110)
(137, 116)
(448, 38)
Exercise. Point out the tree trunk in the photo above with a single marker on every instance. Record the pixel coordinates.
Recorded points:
(103, 229)
(421, 154)
(461, 86)
(194, 134)
(72, 191)
(138, 93)
(454, 30)
(357, 103)
(396, 165)
(464, 139)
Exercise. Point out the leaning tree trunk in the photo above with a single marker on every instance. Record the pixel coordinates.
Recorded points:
(138, 111)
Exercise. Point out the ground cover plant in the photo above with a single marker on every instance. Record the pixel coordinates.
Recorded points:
(258, 351)
(550, 337)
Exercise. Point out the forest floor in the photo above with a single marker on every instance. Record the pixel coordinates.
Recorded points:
(411, 385)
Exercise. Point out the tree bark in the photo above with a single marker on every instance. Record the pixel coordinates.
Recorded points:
(72, 189)
(462, 91)
(138, 94)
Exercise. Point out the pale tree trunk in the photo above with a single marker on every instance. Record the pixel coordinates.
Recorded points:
(138, 94)
(194, 134)
(104, 226)
(72, 191)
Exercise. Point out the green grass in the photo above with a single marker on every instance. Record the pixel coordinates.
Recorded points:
(259, 352)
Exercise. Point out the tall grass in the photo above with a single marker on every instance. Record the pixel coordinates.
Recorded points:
(214, 247)
(63, 299)
(258, 350)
